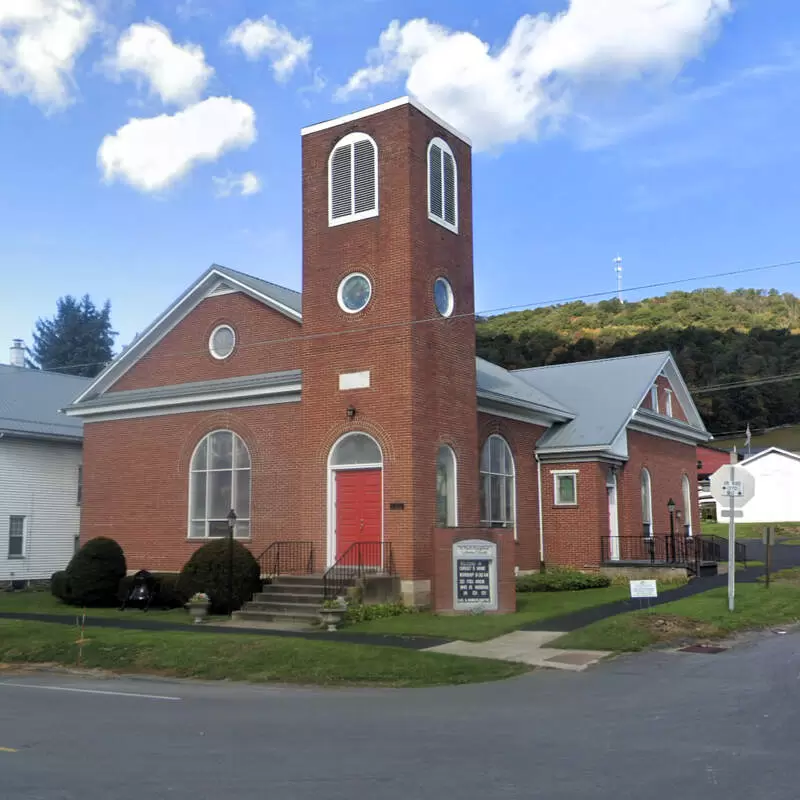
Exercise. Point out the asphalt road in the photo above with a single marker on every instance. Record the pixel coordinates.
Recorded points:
(655, 726)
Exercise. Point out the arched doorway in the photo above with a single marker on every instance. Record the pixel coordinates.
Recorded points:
(355, 497)
(613, 516)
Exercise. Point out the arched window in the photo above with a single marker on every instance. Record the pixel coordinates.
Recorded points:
(353, 179)
(442, 185)
(647, 504)
(356, 450)
(498, 488)
(687, 506)
(219, 481)
(446, 489)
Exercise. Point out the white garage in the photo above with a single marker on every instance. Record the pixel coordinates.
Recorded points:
(777, 497)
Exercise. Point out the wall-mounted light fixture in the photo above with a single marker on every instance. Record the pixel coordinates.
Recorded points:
(351, 412)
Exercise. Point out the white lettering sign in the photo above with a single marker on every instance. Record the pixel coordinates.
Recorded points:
(641, 589)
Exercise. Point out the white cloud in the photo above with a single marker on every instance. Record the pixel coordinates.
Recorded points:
(152, 154)
(505, 95)
(176, 73)
(40, 41)
(246, 184)
(265, 38)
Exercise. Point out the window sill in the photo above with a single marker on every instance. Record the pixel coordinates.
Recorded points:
(332, 223)
(444, 224)
(16, 558)
(217, 539)
(565, 505)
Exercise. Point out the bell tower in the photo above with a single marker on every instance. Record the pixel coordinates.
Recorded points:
(388, 331)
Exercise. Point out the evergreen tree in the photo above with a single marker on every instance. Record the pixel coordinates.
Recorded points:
(78, 340)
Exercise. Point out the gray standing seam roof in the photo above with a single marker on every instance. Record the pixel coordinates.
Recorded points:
(30, 400)
(603, 394)
(497, 383)
(287, 297)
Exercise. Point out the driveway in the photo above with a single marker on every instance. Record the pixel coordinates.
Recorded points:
(658, 726)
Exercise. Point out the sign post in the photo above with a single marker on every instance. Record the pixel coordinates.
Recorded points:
(735, 486)
(769, 540)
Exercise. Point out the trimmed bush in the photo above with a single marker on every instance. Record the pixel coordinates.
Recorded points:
(562, 580)
(94, 574)
(58, 585)
(168, 591)
(207, 571)
(358, 613)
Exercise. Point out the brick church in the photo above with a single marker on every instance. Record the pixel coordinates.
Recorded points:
(357, 411)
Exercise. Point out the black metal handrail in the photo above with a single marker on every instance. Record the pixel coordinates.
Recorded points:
(287, 558)
(740, 549)
(360, 559)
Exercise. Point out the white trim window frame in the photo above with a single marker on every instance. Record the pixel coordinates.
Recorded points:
(216, 354)
(442, 198)
(450, 497)
(506, 483)
(350, 159)
(17, 532)
(654, 398)
(668, 402)
(558, 474)
(686, 491)
(204, 475)
(647, 503)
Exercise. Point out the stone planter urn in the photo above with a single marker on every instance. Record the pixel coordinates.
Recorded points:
(198, 608)
(332, 616)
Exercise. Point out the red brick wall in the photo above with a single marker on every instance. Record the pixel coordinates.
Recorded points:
(136, 480)
(667, 462)
(422, 391)
(182, 356)
(521, 438)
(677, 410)
(442, 588)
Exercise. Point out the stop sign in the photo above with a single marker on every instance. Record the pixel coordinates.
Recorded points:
(732, 481)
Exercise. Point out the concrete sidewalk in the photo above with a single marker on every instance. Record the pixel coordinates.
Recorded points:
(526, 647)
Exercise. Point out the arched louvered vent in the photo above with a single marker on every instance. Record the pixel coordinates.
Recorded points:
(353, 179)
(442, 185)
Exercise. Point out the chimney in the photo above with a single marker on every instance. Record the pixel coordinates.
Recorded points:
(17, 353)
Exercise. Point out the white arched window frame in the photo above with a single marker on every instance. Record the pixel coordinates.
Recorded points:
(687, 506)
(498, 485)
(219, 480)
(353, 179)
(446, 488)
(442, 185)
(647, 504)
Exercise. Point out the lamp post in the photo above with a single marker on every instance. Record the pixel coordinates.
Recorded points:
(231, 528)
(671, 509)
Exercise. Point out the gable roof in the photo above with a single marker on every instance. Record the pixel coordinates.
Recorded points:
(769, 451)
(605, 395)
(30, 400)
(214, 280)
(498, 385)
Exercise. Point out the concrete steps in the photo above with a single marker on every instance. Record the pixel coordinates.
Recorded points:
(288, 598)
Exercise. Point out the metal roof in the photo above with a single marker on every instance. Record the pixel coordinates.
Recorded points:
(602, 394)
(498, 384)
(30, 400)
(287, 297)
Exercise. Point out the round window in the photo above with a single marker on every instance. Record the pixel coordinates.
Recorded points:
(222, 341)
(354, 293)
(443, 297)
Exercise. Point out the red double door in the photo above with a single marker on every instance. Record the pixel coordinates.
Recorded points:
(359, 512)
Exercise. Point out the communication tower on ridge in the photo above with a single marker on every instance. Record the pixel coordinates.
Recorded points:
(618, 270)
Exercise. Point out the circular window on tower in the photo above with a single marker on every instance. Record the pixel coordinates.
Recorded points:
(354, 293)
(443, 297)
(222, 341)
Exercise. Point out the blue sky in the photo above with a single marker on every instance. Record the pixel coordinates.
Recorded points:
(600, 127)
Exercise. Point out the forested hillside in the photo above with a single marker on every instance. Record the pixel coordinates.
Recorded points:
(717, 337)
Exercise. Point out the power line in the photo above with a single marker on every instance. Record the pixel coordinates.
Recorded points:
(745, 383)
(501, 310)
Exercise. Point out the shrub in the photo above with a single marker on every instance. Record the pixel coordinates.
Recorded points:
(168, 591)
(562, 580)
(358, 613)
(58, 585)
(94, 573)
(207, 571)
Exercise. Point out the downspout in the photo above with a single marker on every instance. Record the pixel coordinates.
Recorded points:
(541, 520)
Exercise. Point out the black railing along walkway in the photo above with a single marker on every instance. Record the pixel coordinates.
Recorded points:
(287, 558)
(358, 560)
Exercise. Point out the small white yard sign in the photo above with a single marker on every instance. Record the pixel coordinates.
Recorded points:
(640, 589)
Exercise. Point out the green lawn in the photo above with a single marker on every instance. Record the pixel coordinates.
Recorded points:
(241, 657)
(788, 532)
(44, 603)
(702, 616)
(531, 607)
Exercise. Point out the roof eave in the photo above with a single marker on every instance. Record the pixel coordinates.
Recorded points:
(505, 401)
